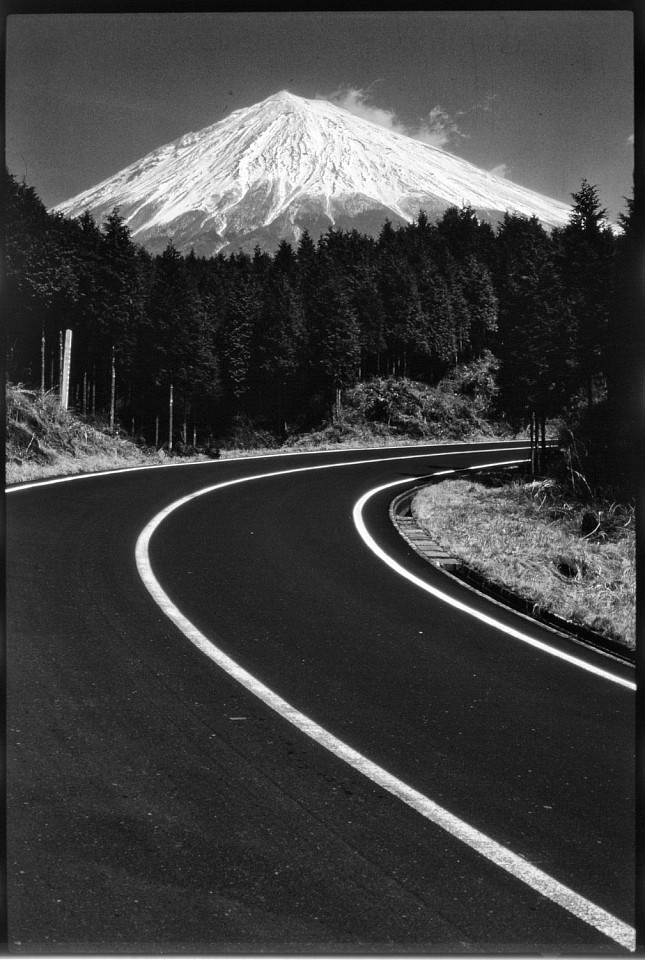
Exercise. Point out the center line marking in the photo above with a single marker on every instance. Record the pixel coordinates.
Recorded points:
(539, 881)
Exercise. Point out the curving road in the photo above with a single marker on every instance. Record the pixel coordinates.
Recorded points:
(158, 804)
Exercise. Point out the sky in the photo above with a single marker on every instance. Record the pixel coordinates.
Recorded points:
(545, 98)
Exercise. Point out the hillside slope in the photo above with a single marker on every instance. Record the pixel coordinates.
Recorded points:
(43, 440)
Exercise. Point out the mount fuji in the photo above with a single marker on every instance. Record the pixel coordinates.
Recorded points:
(285, 165)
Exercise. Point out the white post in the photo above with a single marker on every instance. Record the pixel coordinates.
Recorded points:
(67, 356)
(170, 419)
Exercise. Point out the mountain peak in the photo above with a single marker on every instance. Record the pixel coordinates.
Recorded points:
(270, 171)
(282, 95)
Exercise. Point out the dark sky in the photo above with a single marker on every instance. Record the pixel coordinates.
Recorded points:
(545, 98)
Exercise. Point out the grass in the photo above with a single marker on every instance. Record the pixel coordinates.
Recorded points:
(43, 440)
(527, 537)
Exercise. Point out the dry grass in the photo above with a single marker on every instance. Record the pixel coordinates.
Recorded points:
(42, 440)
(527, 538)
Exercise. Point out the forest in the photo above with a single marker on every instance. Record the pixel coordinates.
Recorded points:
(276, 338)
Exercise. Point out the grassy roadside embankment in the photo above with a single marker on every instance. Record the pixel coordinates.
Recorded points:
(45, 441)
(538, 542)
(42, 440)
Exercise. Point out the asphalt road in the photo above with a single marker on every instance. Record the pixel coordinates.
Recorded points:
(156, 805)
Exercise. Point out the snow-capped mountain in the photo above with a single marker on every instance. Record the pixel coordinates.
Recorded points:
(288, 164)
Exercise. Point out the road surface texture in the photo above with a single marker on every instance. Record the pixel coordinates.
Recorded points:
(157, 805)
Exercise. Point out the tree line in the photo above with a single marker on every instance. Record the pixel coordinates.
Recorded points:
(276, 337)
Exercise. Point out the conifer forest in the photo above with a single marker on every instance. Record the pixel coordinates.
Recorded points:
(276, 338)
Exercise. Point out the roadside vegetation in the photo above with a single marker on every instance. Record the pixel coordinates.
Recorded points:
(44, 440)
(568, 554)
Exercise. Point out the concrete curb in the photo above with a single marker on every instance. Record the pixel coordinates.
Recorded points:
(421, 542)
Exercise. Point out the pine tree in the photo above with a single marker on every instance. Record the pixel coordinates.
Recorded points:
(477, 287)
(405, 328)
(177, 344)
(586, 251)
(40, 282)
(239, 313)
(440, 339)
(332, 331)
(531, 342)
(625, 337)
(279, 341)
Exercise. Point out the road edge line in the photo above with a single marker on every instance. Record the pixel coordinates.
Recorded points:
(513, 864)
(367, 538)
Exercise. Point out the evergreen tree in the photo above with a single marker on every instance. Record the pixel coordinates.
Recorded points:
(625, 338)
(586, 251)
(531, 342)
(40, 283)
(440, 339)
(477, 287)
(333, 333)
(279, 342)
(464, 235)
(239, 314)
(177, 345)
(405, 328)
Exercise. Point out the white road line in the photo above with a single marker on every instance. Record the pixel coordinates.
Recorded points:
(30, 485)
(458, 604)
(516, 866)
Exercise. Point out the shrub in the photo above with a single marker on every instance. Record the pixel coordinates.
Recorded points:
(247, 434)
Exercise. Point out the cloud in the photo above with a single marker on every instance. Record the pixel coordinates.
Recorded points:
(501, 170)
(487, 103)
(438, 129)
(630, 139)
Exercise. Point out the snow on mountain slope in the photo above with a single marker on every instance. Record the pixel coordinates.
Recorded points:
(287, 164)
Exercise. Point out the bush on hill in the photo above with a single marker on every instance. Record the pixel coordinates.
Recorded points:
(457, 408)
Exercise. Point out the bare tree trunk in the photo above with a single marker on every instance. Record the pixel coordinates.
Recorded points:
(170, 405)
(42, 362)
(338, 404)
(112, 392)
